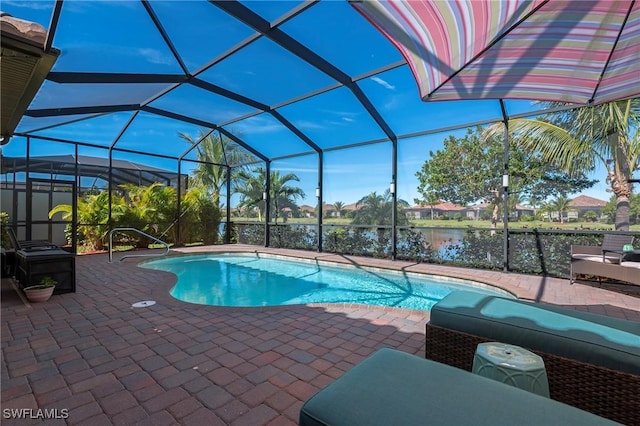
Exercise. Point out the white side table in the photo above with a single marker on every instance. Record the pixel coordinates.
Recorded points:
(512, 365)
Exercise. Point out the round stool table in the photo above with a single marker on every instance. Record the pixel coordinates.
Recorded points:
(512, 365)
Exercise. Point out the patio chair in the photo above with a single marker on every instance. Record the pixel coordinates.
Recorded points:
(9, 255)
(607, 260)
(29, 244)
(612, 247)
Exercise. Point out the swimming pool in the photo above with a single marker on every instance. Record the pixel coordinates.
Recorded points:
(245, 280)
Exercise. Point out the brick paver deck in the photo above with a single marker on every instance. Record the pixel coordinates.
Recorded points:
(93, 356)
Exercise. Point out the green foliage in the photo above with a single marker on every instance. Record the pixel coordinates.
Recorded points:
(93, 216)
(590, 216)
(152, 209)
(559, 206)
(609, 210)
(634, 208)
(376, 210)
(250, 234)
(545, 253)
(354, 242)
(413, 246)
(294, 237)
(478, 249)
(214, 152)
(200, 217)
(470, 168)
(4, 222)
(47, 282)
(282, 195)
(576, 140)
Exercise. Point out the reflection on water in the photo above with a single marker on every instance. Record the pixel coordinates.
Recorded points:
(249, 280)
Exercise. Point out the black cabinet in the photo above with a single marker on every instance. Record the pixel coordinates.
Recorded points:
(33, 265)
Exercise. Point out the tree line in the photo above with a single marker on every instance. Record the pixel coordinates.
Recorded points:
(549, 158)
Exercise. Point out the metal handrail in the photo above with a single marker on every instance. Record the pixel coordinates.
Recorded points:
(135, 255)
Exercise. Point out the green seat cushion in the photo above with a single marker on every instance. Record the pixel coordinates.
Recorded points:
(395, 388)
(595, 339)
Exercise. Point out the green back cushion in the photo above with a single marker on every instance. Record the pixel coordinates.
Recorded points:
(394, 388)
(595, 339)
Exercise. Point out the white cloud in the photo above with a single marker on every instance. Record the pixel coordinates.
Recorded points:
(383, 83)
(309, 125)
(154, 56)
(34, 5)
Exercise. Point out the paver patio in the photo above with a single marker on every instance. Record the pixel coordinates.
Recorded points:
(93, 354)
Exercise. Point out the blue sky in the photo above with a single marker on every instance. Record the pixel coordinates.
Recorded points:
(119, 37)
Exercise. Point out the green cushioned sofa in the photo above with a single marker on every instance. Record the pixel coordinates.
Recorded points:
(592, 361)
(395, 388)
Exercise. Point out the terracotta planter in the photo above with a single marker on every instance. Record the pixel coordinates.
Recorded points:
(37, 293)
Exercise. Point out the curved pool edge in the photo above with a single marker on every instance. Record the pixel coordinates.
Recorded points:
(162, 291)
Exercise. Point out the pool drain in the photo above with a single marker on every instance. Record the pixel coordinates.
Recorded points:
(143, 304)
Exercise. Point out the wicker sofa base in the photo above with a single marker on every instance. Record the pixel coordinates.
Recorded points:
(602, 391)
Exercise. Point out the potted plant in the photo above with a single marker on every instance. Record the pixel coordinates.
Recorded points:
(41, 292)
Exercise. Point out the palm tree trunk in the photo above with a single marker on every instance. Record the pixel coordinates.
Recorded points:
(619, 175)
(623, 212)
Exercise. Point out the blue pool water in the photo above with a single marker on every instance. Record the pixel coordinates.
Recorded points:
(263, 280)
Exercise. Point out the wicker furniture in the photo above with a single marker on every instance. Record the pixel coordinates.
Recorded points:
(588, 260)
(602, 390)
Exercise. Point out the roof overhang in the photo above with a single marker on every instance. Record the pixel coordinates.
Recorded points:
(24, 66)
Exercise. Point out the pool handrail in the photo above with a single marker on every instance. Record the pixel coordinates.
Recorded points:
(166, 245)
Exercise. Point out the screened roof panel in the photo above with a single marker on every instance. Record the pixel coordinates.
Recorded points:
(120, 53)
(346, 172)
(353, 46)
(147, 162)
(245, 158)
(267, 73)
(333, 118)
(233, 155)
(394, 93)
(101, 130)
(306, 169)
(200, 32)
(40, 147)
(270, 10)
(35, 124)
(201, 104)
(67, 95)
(268, 135)
(157, 135)
(98, 37)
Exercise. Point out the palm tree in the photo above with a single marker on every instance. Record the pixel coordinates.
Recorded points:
(93, 216)
(376, 210)
(250, 186)
(559, 204)
(284, 195)
(576, 140)
(214, 153)
(339, 207)
(152, 207)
